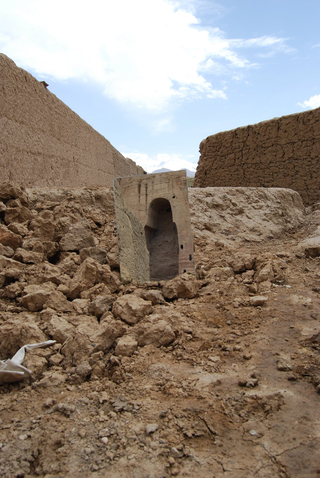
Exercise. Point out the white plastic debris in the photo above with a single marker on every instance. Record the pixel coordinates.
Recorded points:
(12, 371)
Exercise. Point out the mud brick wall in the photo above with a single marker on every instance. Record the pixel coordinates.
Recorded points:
(44, 143)
(283, 152)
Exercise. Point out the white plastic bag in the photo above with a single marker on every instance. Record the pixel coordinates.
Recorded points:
(12, 371)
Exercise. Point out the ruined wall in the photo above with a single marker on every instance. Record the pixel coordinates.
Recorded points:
(283, 152)
(44, 143)
(135, 200)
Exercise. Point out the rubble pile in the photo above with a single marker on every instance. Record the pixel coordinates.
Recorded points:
(215, 374)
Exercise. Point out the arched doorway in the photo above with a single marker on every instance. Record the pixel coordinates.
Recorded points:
(162, 241)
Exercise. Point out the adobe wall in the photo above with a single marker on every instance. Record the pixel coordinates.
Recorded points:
(134, 200)
(283, 152)
(44, 143)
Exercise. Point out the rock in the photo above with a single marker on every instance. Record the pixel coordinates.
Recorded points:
(12, 191)
(8, 238)
(28, 257)
(97, 253)
(151, 428)
(220, 273)
(93, 292)
(131, 308)
(100, 305)
(83, 370)
(312, 246)
(90, 273)
(265, 274)
(184, 286)
(242, 263)
(81, 306)
(57, 301)
(19, 229)
(283, 365)
(13, 290)
(51, 379)
(79, 236)
(35, 296)
(257, 300)
(160, 333)
(154, 296)
(84, 278)
(8, 264)
(36, 364)
(17, 214)
(60, 330)
(19, 331)
(6, 251)
(56, 359)
(126, 345)
(90, 337)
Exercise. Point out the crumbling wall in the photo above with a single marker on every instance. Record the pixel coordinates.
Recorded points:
(44, 143)
(137, 225)
(283, 152)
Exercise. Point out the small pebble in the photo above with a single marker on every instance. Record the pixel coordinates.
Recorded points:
(105, 440)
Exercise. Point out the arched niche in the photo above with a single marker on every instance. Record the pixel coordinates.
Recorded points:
(162, 241)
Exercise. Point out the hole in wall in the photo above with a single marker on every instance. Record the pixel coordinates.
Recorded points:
(162, 241)
(190, 257)
(181, 247)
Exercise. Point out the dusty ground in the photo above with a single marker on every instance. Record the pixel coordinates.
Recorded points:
(233, 394)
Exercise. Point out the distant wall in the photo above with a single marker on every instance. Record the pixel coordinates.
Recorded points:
(44, 143)
(283, 152)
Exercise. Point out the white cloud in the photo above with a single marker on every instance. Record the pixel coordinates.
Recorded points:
(174, 162)
(313, 102)
(146, 53)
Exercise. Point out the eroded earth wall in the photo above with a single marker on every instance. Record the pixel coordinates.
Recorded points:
(283, 152)
(44, 143)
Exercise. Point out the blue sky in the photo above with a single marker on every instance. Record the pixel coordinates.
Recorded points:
(155, 77)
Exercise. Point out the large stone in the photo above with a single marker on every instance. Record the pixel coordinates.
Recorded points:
(60, 330)
(126, 345)
(57, 301)
(97, 253)
(8, 238)
(6, 251)
(28, 257)
(158, 333)
(90, 273)
(79, 236)
(12, 191)
(154, 295)
(100, 305)
(185, 286)
(131, 308)
(84, 278)
(19, 331)
(90, 337)
(312, 246)
(17, 214)
(35, 296)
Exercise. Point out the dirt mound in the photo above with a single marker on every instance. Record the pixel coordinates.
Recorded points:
(215, 374)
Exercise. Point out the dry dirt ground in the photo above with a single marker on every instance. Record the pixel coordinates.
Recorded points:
(212, 376)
